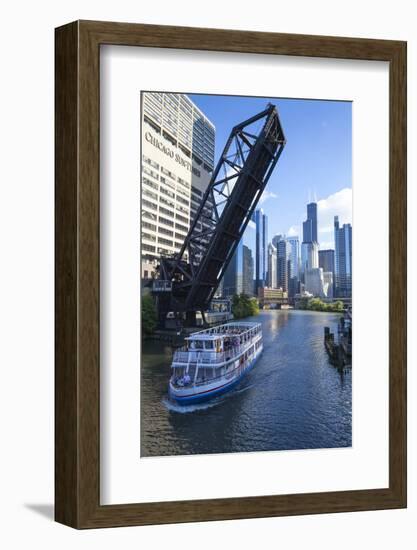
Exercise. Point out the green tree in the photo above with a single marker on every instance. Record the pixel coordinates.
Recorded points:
(149, 314)
(244, 306)
(316, 304)
(254, 306)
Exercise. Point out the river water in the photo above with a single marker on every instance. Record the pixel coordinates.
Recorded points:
(292, 399)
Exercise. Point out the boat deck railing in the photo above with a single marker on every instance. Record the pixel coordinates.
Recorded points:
(203, 382)
(182, 355)
(206, 357)
(236, 328)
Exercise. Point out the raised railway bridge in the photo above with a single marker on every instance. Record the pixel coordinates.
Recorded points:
(187, 281)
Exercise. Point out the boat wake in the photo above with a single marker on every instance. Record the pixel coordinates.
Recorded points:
(184, 409)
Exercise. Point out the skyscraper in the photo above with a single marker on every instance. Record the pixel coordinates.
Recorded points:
(326, 262)
(261, 258)
(309, 246)
(307, 231)
(283, 264)
(309, 256)
(314, 281)
(294, 256)
(272, 266)
(276, 239)
(247, 278)
(177, 163)
(328, 289)
(233, 276)
(239, 275)
(312, 215)
(343, 259)
(265, 247)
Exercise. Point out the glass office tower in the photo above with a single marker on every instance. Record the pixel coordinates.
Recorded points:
(343, 259)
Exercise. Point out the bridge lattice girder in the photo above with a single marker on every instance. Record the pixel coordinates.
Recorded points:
(237, 183)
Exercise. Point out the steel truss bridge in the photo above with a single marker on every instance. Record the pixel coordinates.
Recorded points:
(187, 281)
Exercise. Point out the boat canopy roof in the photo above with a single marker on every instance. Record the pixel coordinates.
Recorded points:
(223, 331)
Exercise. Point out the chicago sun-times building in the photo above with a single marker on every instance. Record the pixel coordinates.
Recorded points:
(177, 162)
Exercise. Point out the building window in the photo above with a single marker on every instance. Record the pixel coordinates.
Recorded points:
(183, 191)
(150, 172)
(169, 138)
(197, 191)
(166, 201)
(148, 225)
(149, 204)
(168, 173)
(150, 183)
(166, 192)
(185, 151)
(183, 183)
(166, 211)
(181, 227)
(166, 231)
(150, 194)
(181, 218)
(184, 201)
(167, 242)
(197, 159)
(181, 208)
(148, 215)
(149, 237)
(152, 124)
(165, 221)
(150, 162)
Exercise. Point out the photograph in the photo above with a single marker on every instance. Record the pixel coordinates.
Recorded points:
(246, 274)
(209, 265)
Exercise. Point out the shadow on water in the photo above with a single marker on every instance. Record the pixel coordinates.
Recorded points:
(292, 399)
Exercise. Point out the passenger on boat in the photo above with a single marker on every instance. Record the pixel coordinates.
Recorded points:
(183, 381)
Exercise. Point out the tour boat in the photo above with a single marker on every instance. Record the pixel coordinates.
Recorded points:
(214, 360)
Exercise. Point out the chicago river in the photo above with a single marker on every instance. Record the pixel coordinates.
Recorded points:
(292, 399)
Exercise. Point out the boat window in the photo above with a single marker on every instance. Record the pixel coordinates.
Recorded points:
(209, 344)
(178, 372)
(196, 344)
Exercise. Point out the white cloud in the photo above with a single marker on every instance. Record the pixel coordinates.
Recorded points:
(293, 231)
(267, 195)
(338, 204)
(326, 245)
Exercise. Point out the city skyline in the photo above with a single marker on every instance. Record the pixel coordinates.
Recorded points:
(180, 149)
(294, 268)
(314, 129)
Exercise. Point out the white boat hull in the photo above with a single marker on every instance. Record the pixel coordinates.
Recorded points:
(189, 395)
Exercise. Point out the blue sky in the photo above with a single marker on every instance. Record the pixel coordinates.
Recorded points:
(316, 162)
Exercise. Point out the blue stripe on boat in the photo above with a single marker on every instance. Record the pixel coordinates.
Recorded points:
(192, 399)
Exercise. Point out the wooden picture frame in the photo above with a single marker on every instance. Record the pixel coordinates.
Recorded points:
(77, 403)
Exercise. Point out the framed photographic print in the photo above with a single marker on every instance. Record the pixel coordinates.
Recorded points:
(230, 274)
